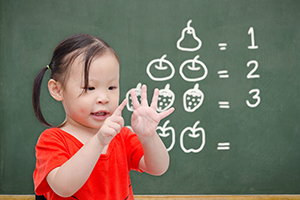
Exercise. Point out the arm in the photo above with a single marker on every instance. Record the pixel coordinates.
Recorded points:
(144, 123)
(71, 176)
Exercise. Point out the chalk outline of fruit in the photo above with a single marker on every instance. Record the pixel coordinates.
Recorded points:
(189, 30)
(138, 92)
(160, 67)
(193, 129)
(195, 92)
(168, 92)
(193, 68)
(163, 129)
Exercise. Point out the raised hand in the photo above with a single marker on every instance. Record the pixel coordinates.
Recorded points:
(144, 118)
(112, 125)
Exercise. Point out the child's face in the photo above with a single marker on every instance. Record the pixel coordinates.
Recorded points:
(89, 109)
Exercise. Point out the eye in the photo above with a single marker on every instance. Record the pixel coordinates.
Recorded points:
(112, 87)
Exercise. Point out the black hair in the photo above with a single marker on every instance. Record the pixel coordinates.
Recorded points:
(63, 56)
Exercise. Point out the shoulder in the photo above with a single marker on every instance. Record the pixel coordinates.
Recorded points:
(56, 140)
(55, 137)
(51, 133)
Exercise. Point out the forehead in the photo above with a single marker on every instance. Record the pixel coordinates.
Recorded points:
(107, 59)
(77, 66)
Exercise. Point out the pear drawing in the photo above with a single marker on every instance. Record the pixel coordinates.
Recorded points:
(185, 32)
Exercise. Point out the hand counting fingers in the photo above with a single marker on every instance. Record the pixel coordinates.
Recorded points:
(145, 118)
(112, 125)
(144, 101)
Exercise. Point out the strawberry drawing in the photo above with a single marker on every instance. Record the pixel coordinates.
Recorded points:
(193, 99)
(166, 99)
(138, 91)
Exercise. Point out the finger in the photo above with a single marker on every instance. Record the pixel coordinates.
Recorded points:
(117, 120)
(118, 111)
(135, 120)
(144, 101)
(116, 124)
(135, 102)
(155, 99)
(166, 113)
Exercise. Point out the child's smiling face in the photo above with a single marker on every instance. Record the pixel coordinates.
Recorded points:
(90, 109)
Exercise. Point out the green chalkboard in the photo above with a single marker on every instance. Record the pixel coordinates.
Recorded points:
(231, 69)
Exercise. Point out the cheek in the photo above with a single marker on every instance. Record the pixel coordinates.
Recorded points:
(115, 102)
(80, 106)
(82, 110)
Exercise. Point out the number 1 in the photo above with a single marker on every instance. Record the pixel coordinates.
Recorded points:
(251, 33)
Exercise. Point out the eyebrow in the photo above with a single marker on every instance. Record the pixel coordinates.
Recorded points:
(96, 79)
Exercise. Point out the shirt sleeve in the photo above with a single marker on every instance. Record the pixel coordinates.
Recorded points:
(134, 150)
(51, 152)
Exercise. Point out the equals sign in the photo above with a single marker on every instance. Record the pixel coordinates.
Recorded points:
(223, 74)
(222, 46)
(223, 146)
(224, 104)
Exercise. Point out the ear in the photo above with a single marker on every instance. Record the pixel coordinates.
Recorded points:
(55, 90)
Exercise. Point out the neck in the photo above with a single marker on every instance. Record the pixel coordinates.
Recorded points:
(81, 132)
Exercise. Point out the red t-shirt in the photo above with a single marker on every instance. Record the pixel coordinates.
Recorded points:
(110, 177)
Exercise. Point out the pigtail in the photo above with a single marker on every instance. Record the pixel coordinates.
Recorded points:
(36, 96)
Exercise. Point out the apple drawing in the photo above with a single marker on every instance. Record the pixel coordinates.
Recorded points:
(193, 132)
(193, 66)
(160, 69)
(165, 132)
(166, 99)
(190, 31)
(138, 91)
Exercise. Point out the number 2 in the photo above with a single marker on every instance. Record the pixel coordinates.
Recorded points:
(255, 96)
(250, 74)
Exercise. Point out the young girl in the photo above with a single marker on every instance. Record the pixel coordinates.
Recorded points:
(90, 154)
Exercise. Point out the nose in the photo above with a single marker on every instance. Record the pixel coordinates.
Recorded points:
(102, 98)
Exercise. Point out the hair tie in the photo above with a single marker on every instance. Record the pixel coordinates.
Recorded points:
(48, 67)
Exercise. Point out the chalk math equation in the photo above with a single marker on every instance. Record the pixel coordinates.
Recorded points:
(192, 70)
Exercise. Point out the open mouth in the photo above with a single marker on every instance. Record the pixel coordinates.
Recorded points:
(101, 113)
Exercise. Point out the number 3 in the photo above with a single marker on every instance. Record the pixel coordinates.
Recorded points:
(255, 96)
